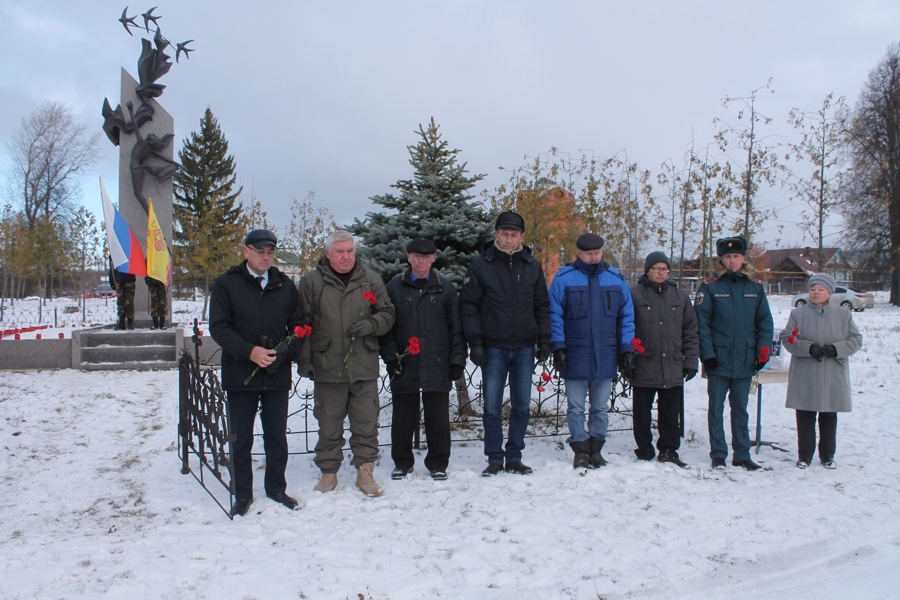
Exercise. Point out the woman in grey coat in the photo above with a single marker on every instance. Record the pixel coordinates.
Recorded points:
(821, 337)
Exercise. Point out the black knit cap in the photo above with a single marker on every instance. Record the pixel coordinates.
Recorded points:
(510, 220)
(258, 238)
(730, 245)
(654, 258)
(589, 241)
(421, 246)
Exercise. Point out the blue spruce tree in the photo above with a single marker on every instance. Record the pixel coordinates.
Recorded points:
(435, 204)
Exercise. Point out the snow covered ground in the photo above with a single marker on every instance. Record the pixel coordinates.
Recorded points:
(93, 505)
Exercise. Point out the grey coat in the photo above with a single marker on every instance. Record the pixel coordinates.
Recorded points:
(813, 385)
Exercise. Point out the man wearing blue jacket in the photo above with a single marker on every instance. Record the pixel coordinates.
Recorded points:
(593, 324)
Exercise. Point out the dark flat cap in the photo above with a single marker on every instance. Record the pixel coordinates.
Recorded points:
(510, 220)
(259, 238)
(589, 241)
(421, 246)
(731, 245)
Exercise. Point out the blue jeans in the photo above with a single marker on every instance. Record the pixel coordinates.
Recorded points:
(519, 365)
(598, 418)
(738, 391)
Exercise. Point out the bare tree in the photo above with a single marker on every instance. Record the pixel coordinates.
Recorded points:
(821, 145)
(49, 153)
(872, 198)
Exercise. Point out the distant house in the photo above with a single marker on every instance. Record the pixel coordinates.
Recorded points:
(291, 265)
(788, 269)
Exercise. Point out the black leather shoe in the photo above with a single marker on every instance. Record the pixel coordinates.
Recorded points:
(668, 456)
(747, 464)
(718, 463)
(439, 475)
(492, 469)
(283, 498)
(241, 506)
(401, 473)
(519, 468)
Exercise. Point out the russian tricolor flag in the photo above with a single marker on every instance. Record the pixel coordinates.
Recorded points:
(126, 253)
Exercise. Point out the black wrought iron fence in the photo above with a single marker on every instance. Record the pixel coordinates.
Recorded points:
(93, 311)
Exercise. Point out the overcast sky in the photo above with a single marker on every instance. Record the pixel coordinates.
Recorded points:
(325, 96)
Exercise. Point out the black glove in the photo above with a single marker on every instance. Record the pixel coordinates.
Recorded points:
(306, 370)
(456, 371)
(689, 374)
(817, 352)
(626, 364)
(829, 350)
(711, 363)
(760, 364)
(394, 368)
(542, 353)
(363, 328)
(281, 355)
(561, 361)
(477, 354)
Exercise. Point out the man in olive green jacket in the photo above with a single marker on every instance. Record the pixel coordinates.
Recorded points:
(348, 308)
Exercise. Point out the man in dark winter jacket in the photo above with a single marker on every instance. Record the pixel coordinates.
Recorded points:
(735, 325)
(253, 307)
(425, 353)
(666, 325)
(506, 321)
(593, 326)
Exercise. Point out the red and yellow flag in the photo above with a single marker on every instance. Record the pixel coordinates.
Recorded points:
(159, 261)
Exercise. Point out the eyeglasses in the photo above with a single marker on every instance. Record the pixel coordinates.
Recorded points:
(261, 252)
(659, 269)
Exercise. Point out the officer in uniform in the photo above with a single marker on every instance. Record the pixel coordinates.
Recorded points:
(735, 325)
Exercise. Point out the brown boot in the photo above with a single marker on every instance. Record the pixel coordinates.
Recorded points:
(366, 482)
(327, 483)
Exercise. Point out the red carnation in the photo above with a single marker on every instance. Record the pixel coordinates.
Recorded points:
(546, 376)
(540, 388)
(638, 347)
(414, 345)
(368, 295)
(792, 339)
(764, 349)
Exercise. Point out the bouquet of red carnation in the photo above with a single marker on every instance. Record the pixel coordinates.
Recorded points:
(300, 331)
(638, 347)
(764, 354)
(792, 339)
(545, 378)
(369, 297)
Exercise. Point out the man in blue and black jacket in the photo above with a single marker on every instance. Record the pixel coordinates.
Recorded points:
(593, 325)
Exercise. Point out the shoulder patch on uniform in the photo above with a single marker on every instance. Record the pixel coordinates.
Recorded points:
(699, 299)
(712, 279)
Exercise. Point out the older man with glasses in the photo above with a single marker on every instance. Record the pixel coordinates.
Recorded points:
(253, 307)
(668, 354)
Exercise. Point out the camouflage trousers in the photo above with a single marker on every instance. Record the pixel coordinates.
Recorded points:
(159, 305)
(125, 299)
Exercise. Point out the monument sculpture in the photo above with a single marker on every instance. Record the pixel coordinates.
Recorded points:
(143, 131)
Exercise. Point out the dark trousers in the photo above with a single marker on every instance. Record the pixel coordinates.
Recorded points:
(242, 407)
(738, 391)
(668, 408)
(437, 429)
(806, 435)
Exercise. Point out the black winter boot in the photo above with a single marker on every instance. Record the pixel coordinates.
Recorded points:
(597, 459)
(162, 321)
(582, 452)
(129, 323)
(120, 324)
(155, 324)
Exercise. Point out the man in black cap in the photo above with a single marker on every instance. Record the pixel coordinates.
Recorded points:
(425, 353)
(253, 307)
(666, 324)
(506, 321)
(735, 326)
(593, 326)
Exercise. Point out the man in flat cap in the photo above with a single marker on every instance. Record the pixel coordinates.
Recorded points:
(593, 325)
(425, 352)
(736, 333)
(253, 307)
(666, 324)
(348, 309)
(506, 321)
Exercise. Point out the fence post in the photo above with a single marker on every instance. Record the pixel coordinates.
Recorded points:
(55, 315)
